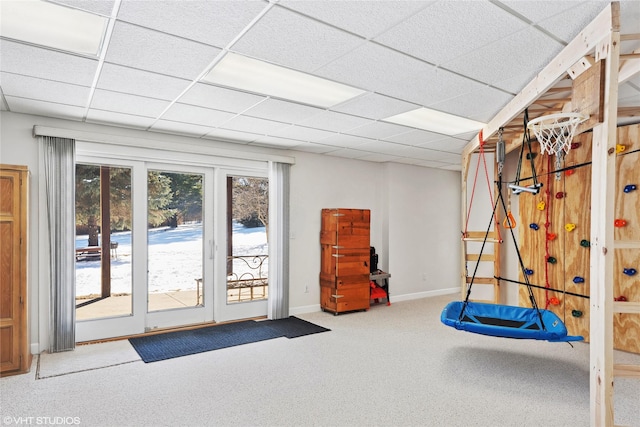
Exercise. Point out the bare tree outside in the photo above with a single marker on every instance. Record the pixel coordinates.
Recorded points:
(251, 201)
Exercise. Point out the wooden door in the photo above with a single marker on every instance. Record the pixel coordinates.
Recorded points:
(14, 354)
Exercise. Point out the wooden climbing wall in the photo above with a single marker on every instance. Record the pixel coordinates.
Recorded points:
(561, 229)
(627, 208)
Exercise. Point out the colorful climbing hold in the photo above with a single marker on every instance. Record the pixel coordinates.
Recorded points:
(551, 236)
(569, 172)
(534, 226)
(570, 227)
(575, 145)
(629, 271)
(576, 313)
(554, 301)
(551, 260)
(531, 156)
(620, 298)
(585, 243)
(559, 195)
(578, 279)
(619, 222)
(541, 205)
(629, 188)
(620, 148)
(528, 271)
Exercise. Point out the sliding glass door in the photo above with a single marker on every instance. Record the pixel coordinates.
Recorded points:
(160, 245)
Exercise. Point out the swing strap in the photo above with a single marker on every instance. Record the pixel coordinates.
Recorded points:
(526, 142)
(481, 158)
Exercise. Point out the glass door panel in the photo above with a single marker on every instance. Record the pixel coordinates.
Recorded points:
(247, 247)
(103, 241)
(175, 240)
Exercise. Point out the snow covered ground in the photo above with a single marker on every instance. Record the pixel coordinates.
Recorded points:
(175, 258)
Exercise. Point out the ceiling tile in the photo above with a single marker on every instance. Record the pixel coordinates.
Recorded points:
(118, 119)
(194, 20)
(158, 52)
(568, 24)
(232, 135)
(44, 90)
(376, 68)
(428, 35)
(535, 12)
(379, 130)
(208, 96)
(347, 153)
(167, 126)
(197, 115)
(387, 148)
(415, 137)
(102, 7)
(345, 141)
(374, 106)
(303, 133)
(519, 53)
(481, 105)
(43, 108)
(283, 111)
(336, 122)
(629, 16)
(47, 64)
(276, 142)
(450, 145)
(127, 104)
(313, 45)
(310, 147)
(137, 82)
(253, 125)
(365, 18)
(426, 154)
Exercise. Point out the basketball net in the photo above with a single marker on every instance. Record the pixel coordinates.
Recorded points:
(555, 132)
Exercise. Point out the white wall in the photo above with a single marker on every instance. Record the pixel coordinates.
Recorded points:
(415, 215)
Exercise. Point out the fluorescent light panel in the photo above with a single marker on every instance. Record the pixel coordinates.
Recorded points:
(256, 76)
(51, 25)
(435, 121)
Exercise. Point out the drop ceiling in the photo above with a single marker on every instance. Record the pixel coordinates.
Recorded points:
(466, 58)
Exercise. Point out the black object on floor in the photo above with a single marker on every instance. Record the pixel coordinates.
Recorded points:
(153, 348)
(292, 327)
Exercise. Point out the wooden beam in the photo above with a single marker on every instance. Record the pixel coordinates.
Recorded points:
(626, 307)
(603, 177)
(627, 37)
(582, 45)
(629, 69)
(630, 371)
(628, 111)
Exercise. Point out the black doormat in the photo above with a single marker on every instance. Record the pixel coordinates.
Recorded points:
(292, 327)
(153, 348)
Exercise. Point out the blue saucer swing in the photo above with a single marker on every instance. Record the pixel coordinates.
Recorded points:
(504, 320)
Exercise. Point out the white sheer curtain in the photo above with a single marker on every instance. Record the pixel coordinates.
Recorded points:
(59, 177)
(278, 240)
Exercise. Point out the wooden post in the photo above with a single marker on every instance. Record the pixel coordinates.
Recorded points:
(105, 229)
(602, 236)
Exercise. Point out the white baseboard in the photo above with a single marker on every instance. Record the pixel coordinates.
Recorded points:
(425, 294)
(35, 348)
(394, 298)
(304, 309)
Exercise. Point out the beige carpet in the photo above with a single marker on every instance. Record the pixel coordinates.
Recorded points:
(389, 366)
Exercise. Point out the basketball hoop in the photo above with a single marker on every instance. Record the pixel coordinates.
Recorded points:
(554, 132)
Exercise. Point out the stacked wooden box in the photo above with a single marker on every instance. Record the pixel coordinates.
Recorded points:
(345, 256)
